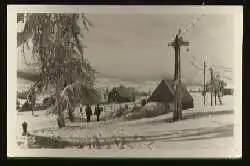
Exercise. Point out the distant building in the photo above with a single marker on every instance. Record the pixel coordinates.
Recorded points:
(194, 88)
(121, 94)
(103, 93)
(228, 90)
(165, 93)
(139, 98)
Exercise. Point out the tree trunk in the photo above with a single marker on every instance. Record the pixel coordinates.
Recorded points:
(215, 94)
(60, 118)
(32, 108)
(71, 116)
(180, 113)
(219, 96)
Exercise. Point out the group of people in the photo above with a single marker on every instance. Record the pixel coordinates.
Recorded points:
(89, 113)
(31, 98)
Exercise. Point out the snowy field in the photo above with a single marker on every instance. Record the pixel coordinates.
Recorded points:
(204, 127)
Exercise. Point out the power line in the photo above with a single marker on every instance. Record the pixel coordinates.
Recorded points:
(183, 31)
(222, 67)
(214, 72)
(228, 71)
(194, 62)
(217, 67)
(196, 66)
(193, 23)
(190, 26)
(225, 71)
(226, 77)
(223, 75)
(194, 58)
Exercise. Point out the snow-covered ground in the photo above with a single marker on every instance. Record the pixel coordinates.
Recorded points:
(209, 127)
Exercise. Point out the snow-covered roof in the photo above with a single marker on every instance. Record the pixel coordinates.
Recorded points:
(230, 86)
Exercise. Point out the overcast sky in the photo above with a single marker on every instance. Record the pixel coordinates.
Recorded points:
(137, 44)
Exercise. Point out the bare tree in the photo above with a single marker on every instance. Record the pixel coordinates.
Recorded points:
(219, 86)
(57, 50)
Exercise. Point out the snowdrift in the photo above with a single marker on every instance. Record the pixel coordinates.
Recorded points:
(132, 112)
(149, 110)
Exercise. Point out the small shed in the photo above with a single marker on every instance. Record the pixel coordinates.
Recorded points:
(165, 93)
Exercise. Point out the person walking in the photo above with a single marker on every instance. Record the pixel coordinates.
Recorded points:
(32, 99)
(81, 112)
(88, 112)
(98, 111)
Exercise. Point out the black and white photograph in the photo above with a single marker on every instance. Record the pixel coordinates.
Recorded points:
(124, 81)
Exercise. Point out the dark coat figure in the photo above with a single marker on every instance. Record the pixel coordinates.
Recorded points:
(80, 108)
(88, 112)
(81, 112)
(98, 111)
(24, 125)
(32, 99)
(126, 106)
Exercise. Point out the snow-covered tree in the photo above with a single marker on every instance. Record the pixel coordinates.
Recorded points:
(57, 50)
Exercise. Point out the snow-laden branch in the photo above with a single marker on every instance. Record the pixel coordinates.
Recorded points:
(71, 86)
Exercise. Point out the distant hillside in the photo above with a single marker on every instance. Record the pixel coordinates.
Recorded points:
(105, 80)
(144, 78)
(28, 75)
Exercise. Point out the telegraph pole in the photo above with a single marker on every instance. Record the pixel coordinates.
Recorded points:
(215, 93)
(211, 85)
(177, 44)
(204, 84)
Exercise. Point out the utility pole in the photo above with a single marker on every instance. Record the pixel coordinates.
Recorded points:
(211, 85)
(177, 44)
(215, 91)
(204, 84)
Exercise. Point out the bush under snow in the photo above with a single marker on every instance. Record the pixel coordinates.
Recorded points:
(149, 110)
